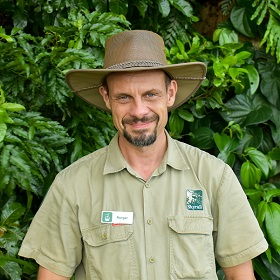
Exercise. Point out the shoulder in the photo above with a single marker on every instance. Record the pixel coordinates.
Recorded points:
(90, 164)
(210, 170)
(197, 156)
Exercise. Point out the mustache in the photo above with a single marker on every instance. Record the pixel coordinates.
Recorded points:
(133, 120)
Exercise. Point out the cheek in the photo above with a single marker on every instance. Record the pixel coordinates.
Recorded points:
(117, 119)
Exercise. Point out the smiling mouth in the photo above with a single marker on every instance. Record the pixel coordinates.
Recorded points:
(140, 122)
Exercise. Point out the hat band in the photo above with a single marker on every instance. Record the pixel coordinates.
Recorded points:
(137, 63)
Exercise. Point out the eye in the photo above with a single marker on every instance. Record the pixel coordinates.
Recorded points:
(150, 94)
(123, 98)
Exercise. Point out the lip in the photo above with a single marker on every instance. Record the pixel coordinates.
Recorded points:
(140, 125)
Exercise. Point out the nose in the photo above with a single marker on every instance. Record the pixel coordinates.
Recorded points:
(138, 108)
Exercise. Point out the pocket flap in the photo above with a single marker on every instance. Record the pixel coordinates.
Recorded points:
(106, 233)
(198, 225)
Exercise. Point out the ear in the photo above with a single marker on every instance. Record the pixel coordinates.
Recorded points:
(104, 92)
(171, 93)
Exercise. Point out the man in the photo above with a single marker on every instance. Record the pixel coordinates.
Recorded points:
(146, 206)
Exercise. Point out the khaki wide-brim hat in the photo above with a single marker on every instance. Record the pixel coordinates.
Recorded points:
(135, 50)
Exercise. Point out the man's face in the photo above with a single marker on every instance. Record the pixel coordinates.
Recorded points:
(139, 103)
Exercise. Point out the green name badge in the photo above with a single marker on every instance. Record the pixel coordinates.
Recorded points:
(117, 217)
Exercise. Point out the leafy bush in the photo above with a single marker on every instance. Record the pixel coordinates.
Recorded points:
(235, 116)
(43, 127)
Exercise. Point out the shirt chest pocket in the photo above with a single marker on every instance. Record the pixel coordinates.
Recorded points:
(191, 247)
(110, 252)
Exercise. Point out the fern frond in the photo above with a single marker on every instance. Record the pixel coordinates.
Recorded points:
(260, 12)
(272, 37)
(226, 6)
(176, 27)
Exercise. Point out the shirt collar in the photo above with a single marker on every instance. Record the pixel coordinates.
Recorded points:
(115, 161)
(174, 156)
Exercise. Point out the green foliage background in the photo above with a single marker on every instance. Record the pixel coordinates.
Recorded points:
(235, 115)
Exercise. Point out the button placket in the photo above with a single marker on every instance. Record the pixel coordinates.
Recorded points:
(149, 228)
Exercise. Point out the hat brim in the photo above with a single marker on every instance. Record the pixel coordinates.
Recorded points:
(86, 82)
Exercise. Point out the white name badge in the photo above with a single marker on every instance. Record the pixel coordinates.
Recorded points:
(117, 217)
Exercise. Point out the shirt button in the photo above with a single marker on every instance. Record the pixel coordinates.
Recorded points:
(152, 259)
(104, 236)
(149, 221)
(147, 185)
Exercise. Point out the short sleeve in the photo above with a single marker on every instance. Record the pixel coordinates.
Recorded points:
(238, 237)
(53, 238)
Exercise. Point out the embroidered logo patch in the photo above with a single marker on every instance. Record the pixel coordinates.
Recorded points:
(194, 200)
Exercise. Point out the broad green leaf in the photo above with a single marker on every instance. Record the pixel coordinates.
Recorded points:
(78, 149)
(242, 55)
(275, 154)
(226, 146)
(270, 85)
(225, 142)
(261, 212)
(216, 34)
(176, 124)
(259, 159)
(275, 131)
(227, 36)
(247, 110)
(3, 129)
(4, 117)
(8, 38)
(253, 137)
(181, 46)
(20, 132)
(11, 213)
(250, 174)
(12, 107)
(271, 194)
(254, 78)
(185, 115)
(240, 17)
(11, 269)
(5, 156)
(31, 132)
(118, 6)
(184, 7)
(142, 7)
(258, 115)
(202, 138)
(272, 222)
(253, 192)
(261, 269)
(273, 265)
(267, 143)
(221, 274)
(164, 7)
(20, 19)
(21, 161)
(235, 72)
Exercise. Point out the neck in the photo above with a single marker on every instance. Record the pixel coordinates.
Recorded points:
(144, 160)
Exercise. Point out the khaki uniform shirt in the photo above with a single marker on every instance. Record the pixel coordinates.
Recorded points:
(190, 212)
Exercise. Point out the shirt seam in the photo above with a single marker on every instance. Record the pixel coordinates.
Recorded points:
(42, 259)
(250, 253)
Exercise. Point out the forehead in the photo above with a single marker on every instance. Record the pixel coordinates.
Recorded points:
(155, 76)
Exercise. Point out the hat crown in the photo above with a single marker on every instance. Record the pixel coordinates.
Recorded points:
(134, 48)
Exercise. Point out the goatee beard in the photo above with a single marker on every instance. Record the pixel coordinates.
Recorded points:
(142, 140)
